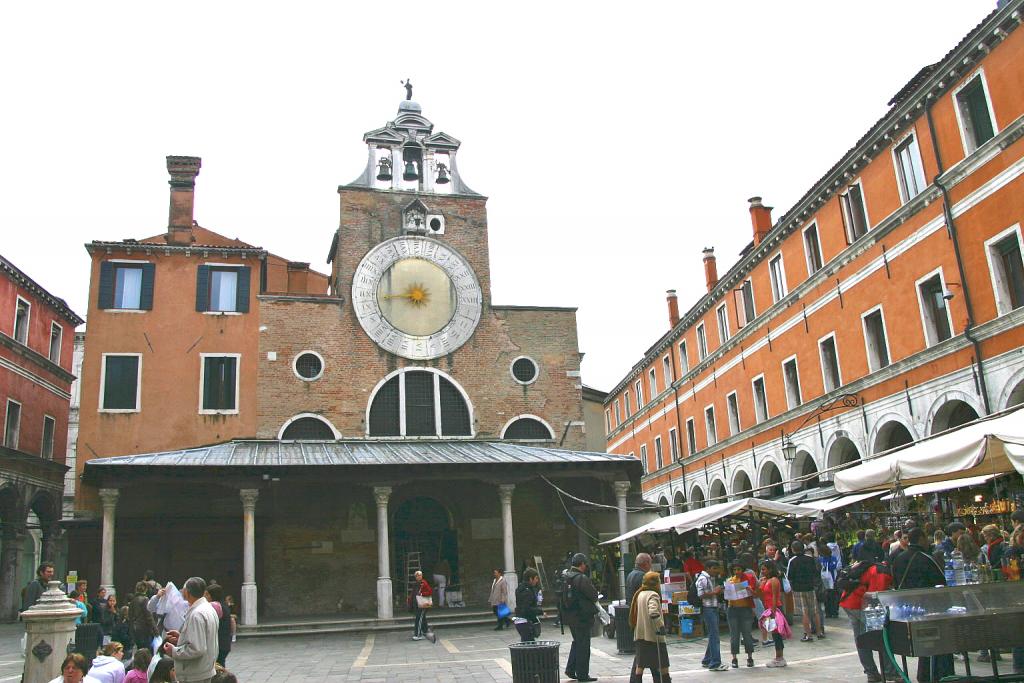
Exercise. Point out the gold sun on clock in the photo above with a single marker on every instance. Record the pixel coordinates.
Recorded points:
(416, 297)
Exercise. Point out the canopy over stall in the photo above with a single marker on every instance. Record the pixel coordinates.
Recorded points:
(993, 446)
(841, 502)
(747, 509)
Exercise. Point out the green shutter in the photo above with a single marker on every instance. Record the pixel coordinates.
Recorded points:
(977, 108)
(106, 290)
(148, 276)
(203, 288)
(242, 290)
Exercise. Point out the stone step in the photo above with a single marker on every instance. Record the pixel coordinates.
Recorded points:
(370, 624)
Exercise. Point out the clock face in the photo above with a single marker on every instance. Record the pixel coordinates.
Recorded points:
(416, 297)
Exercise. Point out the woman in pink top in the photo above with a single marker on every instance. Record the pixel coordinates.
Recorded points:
(771, 595)
(140, 663)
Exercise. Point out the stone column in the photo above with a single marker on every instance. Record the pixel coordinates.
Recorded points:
(621, 489)
(10, 591)
(109, 498)
(385, 606)
(249, 594)
(505, 492)
(52, 534)
(49, 627)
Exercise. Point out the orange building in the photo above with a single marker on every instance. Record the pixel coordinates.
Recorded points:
(885, 306)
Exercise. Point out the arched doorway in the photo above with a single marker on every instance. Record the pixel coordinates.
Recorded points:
(12, 521)
(423, 525)
(806, 471)
(953, 414)
(892, 435)
(741, 487)
(680, 503)
(1016, 396)
(771, 482)
(717, 492)
(842, 452)
(696, 498)
(663, 508)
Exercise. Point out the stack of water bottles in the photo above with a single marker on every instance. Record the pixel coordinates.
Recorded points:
(874, 616)
(956, 571)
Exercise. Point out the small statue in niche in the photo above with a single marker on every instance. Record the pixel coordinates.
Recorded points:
(408, 88)
(415, 222)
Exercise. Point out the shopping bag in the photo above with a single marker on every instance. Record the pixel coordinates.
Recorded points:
(767, 620)
(602, 614)
(424, 601)
(503, 610)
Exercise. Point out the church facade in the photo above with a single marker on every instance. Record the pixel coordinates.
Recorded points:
(387, 417)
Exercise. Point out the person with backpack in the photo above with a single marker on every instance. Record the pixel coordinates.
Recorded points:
(578, 610)
(916, 568)
(865, 575)
(528, 605)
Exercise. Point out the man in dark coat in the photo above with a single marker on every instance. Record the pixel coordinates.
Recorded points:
(641, 565)
(37, 586)
(527, 606)
(578, 615)
(916, 568)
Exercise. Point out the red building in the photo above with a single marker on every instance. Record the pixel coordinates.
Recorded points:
(885, 306)
(37, 333)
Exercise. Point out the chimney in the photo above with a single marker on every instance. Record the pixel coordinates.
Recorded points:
(710, 268)
(673, 308)
(298, 277)
(760, 218)
(183, 172)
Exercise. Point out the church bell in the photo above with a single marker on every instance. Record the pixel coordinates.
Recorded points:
(442, 175)
(410, 171)
(384, 169)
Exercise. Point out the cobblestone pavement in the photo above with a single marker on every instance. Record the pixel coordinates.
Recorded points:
(481, 654)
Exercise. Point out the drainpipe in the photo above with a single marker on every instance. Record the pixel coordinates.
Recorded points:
(679, 427)
(951, 230)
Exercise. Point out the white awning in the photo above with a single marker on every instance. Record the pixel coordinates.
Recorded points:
(841, 501)
(994, 446)
(694, 519)
(966, 482)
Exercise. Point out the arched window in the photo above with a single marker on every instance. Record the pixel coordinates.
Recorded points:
(419, 403)
(527, 428)
(308, 429)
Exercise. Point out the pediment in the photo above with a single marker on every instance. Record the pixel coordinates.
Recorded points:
(386, 135)
(442, 140)
(413, 121)
(415, 206)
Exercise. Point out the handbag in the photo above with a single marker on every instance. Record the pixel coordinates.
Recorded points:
(502, 610)
(424, 601)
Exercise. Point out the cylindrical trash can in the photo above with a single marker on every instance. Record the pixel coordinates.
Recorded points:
(623, 633)
(535, 662)
(88, 638)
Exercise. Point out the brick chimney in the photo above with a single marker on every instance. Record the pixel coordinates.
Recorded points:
(673, 308)
(760, 219)
(183, 172)
(710, 268)
(298, 277)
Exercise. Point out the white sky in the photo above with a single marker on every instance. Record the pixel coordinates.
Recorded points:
(614, 141)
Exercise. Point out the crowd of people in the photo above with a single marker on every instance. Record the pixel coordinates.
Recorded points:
(811, 577)
(161, 634)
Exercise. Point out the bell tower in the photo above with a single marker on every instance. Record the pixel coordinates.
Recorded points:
(410, 186)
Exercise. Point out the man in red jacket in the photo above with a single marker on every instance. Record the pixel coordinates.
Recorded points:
(870, 577)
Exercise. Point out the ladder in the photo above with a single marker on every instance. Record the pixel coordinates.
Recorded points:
(413, 564)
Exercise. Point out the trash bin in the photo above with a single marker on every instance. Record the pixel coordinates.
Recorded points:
(535, 662)
(623, 633)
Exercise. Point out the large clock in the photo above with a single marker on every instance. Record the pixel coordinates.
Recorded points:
(416, 297)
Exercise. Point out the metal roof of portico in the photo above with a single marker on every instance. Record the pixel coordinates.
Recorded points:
(358, 453)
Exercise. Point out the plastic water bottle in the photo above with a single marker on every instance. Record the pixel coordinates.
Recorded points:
(540, 597)
(959, 576)
(971, 572)
(949, 571)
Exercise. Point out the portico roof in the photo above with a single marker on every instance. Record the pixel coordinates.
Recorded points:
(263, 455)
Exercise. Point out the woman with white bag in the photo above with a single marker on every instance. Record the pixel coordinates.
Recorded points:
(771, 596)
(421, 600)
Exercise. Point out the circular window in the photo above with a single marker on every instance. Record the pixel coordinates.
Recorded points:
(309, 365)
(524, 370)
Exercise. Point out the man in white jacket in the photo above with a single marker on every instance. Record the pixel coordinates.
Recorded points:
(194, 648)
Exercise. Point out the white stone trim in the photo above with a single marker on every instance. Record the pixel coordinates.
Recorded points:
(295, 365)
(294, 418)
(538, 418)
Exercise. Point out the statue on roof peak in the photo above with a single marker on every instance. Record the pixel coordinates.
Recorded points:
(408, 88)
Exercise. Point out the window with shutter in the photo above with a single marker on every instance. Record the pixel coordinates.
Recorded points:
(220, 383)
(119, 391)
(975, 115)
